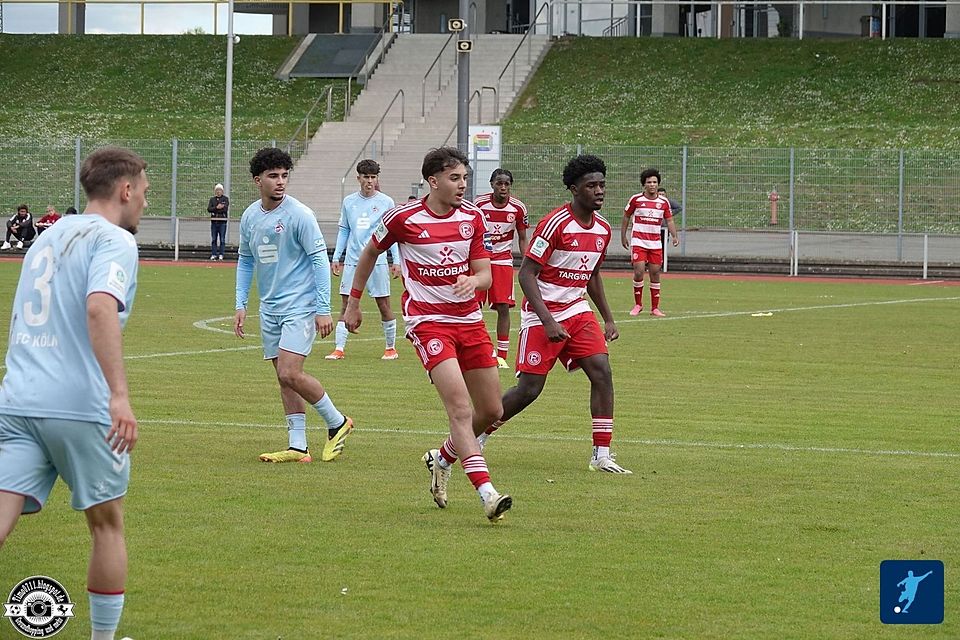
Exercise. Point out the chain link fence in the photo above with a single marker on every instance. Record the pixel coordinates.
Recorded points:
(834, 195)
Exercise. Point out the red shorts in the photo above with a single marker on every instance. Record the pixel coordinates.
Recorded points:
(653, 256)
(501, 291)
(536, 354)
(469, 343)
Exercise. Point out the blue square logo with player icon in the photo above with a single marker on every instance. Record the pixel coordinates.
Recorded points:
(911, 592)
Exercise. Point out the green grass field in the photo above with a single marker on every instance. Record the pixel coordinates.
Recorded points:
(777, 461)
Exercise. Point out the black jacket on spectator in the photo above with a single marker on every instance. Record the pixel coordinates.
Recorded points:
(220, 214)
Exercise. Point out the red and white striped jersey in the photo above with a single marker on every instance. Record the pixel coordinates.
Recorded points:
(648, 215)
(434, 251)
(569, 252)
(502, 224)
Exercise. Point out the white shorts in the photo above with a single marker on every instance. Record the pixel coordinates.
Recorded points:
(294, 333)
(34, 451)
(378, 285)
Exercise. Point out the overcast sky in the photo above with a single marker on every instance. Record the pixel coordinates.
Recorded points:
(125, 18)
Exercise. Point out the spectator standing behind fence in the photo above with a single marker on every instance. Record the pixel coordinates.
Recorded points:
(46, 221)
(20, 226)
(675, 207)
(219, 208)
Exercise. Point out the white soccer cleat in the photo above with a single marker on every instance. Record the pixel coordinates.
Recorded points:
(502, 363)
(439, 477)
(6, 245)
(496, 505)
(607, 465)
(19, 244)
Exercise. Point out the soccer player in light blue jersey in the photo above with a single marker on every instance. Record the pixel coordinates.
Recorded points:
(280, 240)
(75, 292)
(359, 216)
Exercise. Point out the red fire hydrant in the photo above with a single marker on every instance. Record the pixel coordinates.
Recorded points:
(774, 197)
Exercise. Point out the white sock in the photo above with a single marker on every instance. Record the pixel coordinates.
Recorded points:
(601, 452)
(390, 333)
(486, 490)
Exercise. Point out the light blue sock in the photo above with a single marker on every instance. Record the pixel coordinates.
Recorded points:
(297, 431)
(390, 333)
(328, 412)
(341, 336)
(105, 611)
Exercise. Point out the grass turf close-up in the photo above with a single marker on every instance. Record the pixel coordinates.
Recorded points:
(777, 460)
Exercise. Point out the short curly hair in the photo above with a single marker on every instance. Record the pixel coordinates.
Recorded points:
(581, 166)
(437, 160)
(650, 173)
(368, 167)
(270, 158)
(499, 171)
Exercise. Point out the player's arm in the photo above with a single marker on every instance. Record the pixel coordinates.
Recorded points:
(343, 237)
(395, 270)
(368, 258)
(522, 239)
(672, 229)
(103, 328)
(599, 296)
(626, 225)
(529, 270)
(480, 279)
(245, 266)
(321, 278)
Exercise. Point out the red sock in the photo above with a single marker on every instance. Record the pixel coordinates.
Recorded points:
(638, 293)
(655, 295)
(503, 344)
(492, 428)
(602, 431)
(476, 469)
(448, 452)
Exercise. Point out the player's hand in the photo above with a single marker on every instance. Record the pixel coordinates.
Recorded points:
(123, 425)
(625, 243)
(352, 317)
(555, 332)
(676, 241)
(465, 287)
(336, 267)
(324, 325)
(238, 322)
(610, 331)
(395, 271)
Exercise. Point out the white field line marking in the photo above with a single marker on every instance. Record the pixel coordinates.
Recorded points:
(920, 284)
(205, 324)
(645, 442)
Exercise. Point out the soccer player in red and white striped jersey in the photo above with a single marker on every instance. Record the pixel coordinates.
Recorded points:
(445, 259)
(556, 322)
(506, 217)
(640, 235)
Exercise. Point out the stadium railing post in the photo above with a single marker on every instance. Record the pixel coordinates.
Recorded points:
(77, 159)
(683, 203)
(173, 182)
(900, 211)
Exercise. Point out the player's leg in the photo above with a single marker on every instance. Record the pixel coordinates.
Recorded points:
(378, 286)
(107, 572)
(222, 238)
(26, 473)
(639, 267)
(291, 375)
(11, 506)
(597, 368)
(456, 398)
(6, 243)
(340, 333)
(503, 333)
(655, 289)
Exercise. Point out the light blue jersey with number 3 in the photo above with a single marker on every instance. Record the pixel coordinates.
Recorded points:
(51, 368)
(283, 242)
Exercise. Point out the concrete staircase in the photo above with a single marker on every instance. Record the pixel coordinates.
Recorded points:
(417, 121)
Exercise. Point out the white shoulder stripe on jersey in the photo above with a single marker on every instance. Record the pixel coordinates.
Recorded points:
(558, 220)
(403, 208)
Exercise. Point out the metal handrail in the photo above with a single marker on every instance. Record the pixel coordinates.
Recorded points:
(477, 93)
(512, 60)
(423, 83)
(305, 123)
(615, 28)
(363, 65)
(379, 125)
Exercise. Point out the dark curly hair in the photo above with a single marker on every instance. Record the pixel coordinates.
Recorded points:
(270, 158)
(650, 173)
(581, 166)
(437, 160)
(500, 172)
(368, 167)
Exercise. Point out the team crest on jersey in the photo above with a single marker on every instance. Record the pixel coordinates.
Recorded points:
(534, 358)
(511, 217)
(279, 228)
(600, 245)
(434, 347)
(466, 230)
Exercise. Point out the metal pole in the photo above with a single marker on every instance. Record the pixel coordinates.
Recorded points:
(900, 212)
(883, 21)
(683, 204)
(176, 239)
(76, 175)
(925, 256)
(463, 81)
(801, 20)
(791, 186)
(228, 112)
(719, 11)
(173, 185)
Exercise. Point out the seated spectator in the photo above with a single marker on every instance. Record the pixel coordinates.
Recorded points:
(47, 220)
(20, 226)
